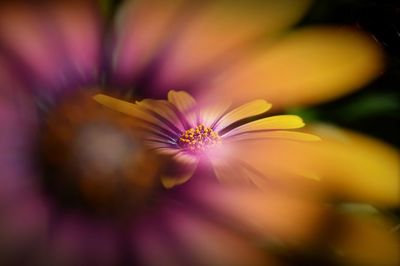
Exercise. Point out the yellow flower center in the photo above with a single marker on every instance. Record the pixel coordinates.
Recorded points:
(198, 139)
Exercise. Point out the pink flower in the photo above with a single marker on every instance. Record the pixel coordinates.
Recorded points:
(78, 187)
(188, 132)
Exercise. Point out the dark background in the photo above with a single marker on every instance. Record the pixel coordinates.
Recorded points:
(374, 110)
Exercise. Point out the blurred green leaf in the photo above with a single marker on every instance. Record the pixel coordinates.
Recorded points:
(370, 105)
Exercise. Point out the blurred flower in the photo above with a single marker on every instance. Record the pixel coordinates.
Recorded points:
(180, 128)
(78, 186)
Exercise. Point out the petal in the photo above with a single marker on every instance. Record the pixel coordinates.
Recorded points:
(151, 243)
(153, 123)
(217, 31)
(351, 167)
(164, 110)
(124, 107)
(23, 34)
(211, 113)
(79, 25)
(308, 66)
(142, 27)
(159, 142)
(247, 110)
(19, 127)
(278, 134)
(185, 104)
(270, 216)
(205, 242)
(180, 170)
(366, 241)
(268, 123)
(75, 238)
(44, 42)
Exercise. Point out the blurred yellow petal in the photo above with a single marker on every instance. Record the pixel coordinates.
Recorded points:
(219, 28)
(268, 123)
(273, 215)
(366, 169)
(367, 241)
(308, 66)
(249, 109)
(351, 167)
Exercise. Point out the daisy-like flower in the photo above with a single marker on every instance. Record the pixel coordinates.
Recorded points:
(181, 128)
(79, 187)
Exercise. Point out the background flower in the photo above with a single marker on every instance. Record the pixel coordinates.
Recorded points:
(51, 51)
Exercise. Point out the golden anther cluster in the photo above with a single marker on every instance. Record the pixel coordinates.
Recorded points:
(199, 138)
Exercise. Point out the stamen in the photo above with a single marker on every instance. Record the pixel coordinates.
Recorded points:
(198, 139)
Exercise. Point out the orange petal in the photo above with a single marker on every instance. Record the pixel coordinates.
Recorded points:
(308, 66)
(351, 167)
(366, 241)
(218, 30)
(274, 215)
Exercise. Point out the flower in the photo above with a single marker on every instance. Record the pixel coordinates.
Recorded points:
(181, 128)
(78, 186)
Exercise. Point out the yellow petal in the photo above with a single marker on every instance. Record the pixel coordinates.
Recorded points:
(163, 109)
(274, 214)
(351, 167)
(123, 107)
(179, 171)
(216, 31)
(153, 124)
(268, 123)
(279, 134)
(185, 104)
(366, 241)
(308, 66)
(247, 110)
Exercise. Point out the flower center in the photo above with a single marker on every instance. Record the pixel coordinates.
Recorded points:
(198, 139)
(92, 159)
